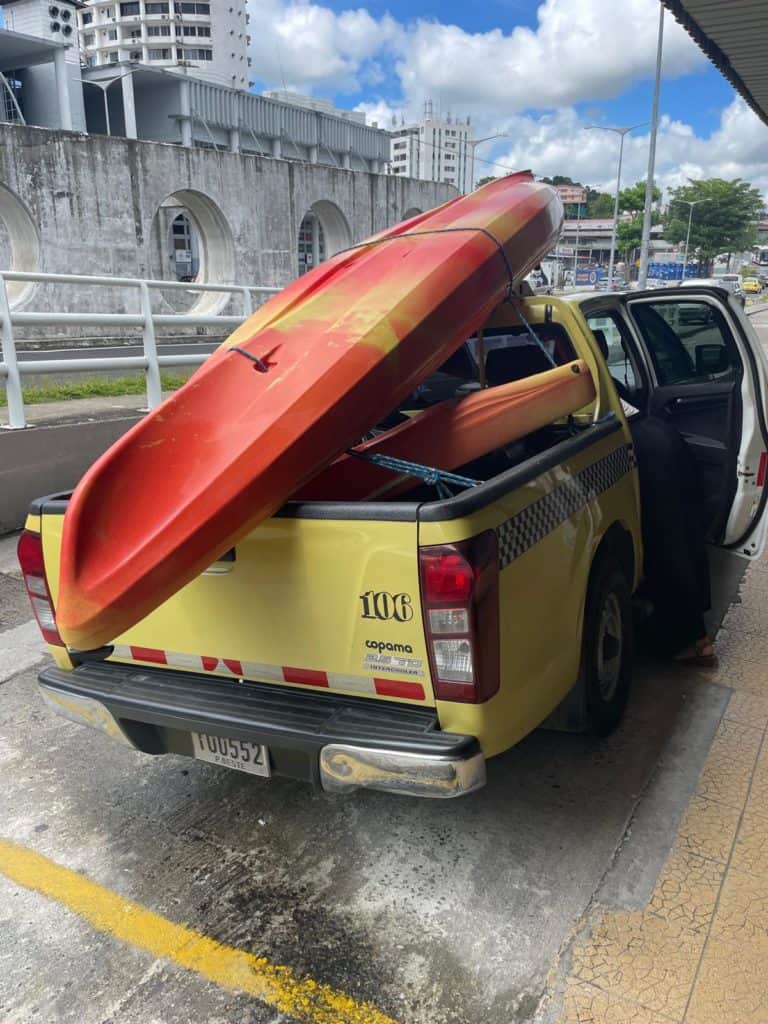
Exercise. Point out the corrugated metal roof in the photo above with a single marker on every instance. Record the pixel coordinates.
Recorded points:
(734, 35)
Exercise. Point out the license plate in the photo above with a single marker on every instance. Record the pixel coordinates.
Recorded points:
(241, 755)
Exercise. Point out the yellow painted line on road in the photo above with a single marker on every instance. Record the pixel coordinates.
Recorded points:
(301, 998)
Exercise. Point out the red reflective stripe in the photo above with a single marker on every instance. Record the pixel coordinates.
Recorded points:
(148, 654)
(233, 666)
(761, 469)
(305, 675)
(209, 664)
(397, 688)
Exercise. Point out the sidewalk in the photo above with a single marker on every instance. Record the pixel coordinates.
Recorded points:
(80, 410)
(697, 953)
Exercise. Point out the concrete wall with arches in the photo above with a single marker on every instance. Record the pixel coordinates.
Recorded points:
(86, 204)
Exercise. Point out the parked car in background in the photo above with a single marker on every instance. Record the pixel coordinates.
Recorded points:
(751, 286)
(731, 282)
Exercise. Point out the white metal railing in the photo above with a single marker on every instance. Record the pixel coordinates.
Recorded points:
(150, 361)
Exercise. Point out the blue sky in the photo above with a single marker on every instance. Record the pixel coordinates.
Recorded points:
(538, 71)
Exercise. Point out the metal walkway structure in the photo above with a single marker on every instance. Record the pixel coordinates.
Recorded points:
(733, 35)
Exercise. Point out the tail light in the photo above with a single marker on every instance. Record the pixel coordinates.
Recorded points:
(460, 598)
(30, 554)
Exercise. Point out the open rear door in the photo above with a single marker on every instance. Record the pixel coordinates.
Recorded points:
(708, 376)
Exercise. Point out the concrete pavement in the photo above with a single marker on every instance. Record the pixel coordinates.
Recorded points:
(423, 912)
(692, 947)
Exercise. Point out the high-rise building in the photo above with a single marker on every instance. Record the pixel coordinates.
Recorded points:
(210, 38)
(434, 149)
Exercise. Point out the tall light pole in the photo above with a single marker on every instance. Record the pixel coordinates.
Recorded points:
(645, 244)
(621, 132)
(474, 143)
(691, 203)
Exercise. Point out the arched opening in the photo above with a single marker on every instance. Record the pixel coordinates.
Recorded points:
(191, 241)
(19, 244)
(413, 211)
(311, 242)
(323, 232)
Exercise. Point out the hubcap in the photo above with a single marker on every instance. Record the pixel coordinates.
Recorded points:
(609, 647)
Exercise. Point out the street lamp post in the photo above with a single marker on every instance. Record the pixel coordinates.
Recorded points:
(474, 143)
(621, 132)
(645, 244)
(691, 203)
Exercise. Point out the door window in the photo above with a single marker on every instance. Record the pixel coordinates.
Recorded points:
(610, 340)
(688, 341)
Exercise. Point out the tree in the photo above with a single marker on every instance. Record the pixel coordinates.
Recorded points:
(629, 236)
(601, 205)
(485, 180)
(632, 200)
(726, 222)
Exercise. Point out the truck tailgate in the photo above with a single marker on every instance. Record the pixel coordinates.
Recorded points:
(327, 603)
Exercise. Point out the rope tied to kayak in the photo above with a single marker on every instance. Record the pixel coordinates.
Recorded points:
(446, 231)
(442, 479)
(258, 364)
(440, 231)
(536, 338)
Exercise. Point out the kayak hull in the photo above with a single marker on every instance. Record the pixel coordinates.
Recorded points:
(455, 433)
(295, 386)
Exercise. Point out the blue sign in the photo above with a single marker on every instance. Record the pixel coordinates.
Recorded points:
(671, 271)
(590, 276)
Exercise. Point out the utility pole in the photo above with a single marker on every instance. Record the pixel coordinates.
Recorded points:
(646, 237)
(622, 133)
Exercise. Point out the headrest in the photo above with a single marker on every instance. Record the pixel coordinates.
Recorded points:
(602, 341)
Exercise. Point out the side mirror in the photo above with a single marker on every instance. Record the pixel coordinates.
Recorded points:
(711, 359)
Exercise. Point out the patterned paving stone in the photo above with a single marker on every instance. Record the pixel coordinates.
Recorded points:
(642, 958)
(732, 984)
(742, 912)
(585, 1004)
(730, 763)
(750, 854)
(748, 708)
(687, 890)
(708, 829)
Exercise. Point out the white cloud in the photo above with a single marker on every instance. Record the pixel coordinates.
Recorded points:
(308, 47)
(524, 82)
(581, 49)
(558, 144)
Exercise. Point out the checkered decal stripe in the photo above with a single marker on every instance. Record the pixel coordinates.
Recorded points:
(531, 524)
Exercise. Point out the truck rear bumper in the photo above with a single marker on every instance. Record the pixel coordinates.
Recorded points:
(332, 741)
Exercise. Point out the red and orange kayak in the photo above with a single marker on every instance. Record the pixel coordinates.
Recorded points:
(454, 433)
(292, 388)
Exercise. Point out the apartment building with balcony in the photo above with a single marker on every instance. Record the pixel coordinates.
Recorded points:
(208, 39)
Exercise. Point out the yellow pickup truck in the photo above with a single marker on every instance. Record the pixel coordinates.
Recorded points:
(400, 644)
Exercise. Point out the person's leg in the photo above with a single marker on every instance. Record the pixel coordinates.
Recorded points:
(675, 567)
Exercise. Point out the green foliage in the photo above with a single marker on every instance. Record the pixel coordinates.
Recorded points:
(485, 180)
(632, 200)
(726, 222)
(629, 235)
(96, 387)
(601, 205)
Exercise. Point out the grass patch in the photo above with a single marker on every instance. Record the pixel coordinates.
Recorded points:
(96, 387)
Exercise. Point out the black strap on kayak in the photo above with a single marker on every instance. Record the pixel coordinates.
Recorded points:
(439, 231)
(535, 337)
(258, 364)
(442, 479)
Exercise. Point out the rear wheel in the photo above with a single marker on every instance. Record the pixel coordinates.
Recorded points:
(607, 647)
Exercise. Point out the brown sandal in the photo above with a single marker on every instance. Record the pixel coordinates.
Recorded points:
(699, 658)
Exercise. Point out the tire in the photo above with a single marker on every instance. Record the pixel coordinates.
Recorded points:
(607, 647)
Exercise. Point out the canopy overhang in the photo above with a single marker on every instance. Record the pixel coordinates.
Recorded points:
(733, 35)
